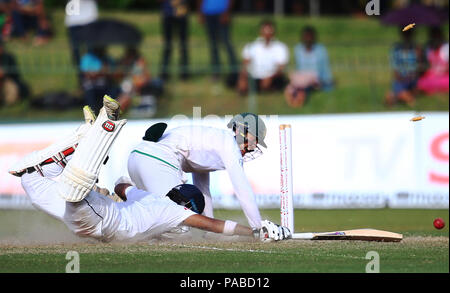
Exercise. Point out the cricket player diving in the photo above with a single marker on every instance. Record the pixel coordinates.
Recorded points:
(76, 200)
(158, 162)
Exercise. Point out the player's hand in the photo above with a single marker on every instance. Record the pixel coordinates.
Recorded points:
(284, 232)
(272, 232)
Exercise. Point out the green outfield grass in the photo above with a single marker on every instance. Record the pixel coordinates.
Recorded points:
(358, 50)
(33, 242)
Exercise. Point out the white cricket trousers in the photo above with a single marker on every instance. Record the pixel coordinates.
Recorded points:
(99, 217)
(154, 169)
(95, 216)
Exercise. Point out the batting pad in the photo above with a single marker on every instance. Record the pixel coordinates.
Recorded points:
(81, 173)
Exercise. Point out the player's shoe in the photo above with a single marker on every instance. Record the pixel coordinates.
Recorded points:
(89, 115)
(36, 160)
(55, 153)
(112, 107)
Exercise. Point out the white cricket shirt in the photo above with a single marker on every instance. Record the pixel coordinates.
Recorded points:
(148, 216)
(202, 149)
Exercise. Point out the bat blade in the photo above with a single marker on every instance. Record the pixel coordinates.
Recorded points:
(356, 234)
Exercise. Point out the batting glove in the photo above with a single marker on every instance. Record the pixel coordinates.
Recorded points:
(284, 232)
(272, 232)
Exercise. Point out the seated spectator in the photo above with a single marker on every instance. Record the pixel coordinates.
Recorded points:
(312, 69)
(136, 78)
(435, 79)
(406, 62)
(30, 15)
(97, 77)
(264, 61)
(12, 88)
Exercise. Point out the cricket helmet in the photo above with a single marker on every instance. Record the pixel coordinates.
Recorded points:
(248, 123)
(189, 196)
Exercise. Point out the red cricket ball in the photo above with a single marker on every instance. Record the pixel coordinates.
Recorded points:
(439, 223)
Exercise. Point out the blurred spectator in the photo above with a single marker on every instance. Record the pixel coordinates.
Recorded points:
(76, 22)
(217, 16)
(406, 62)
(312, 69)
(136, 80)
(30, 15)
(435, 79)
(97, 77)
(264, 61)
(12, 88)
(175, 17)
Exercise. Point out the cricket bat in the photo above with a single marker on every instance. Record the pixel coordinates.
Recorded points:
(357, 234)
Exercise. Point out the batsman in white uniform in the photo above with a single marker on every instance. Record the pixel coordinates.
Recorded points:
(75, 200)
(158, 162)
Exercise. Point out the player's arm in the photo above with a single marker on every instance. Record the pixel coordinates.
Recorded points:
(218, 226)
(268, 232)
(231, 158)
(244, 194)
(201, 180)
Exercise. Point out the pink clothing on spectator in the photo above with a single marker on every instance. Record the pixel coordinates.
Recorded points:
(436, 78)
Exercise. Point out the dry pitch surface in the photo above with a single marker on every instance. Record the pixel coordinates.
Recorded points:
(43, 246)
